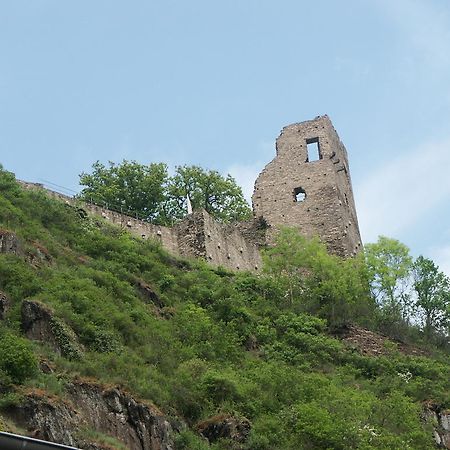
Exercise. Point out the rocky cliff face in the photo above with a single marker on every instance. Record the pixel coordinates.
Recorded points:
(107, 410)
(115, 412)
(9, 243)
(441, 424)
(40, 323)
(235, 430)
(85, 405)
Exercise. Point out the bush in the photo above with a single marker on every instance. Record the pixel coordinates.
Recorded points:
(16, 358)
(221, 387)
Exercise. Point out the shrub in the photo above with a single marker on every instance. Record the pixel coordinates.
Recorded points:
(16, 358)
(220, 387)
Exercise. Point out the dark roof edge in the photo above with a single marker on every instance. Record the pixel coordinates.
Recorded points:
(9, 441)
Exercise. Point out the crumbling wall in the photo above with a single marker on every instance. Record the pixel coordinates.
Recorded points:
(165, 235)
(324, 205)
(226, 246)
(197, 236)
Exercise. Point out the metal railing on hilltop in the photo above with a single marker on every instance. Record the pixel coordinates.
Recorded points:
(115, 207)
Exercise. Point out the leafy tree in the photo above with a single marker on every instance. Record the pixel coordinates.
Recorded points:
(149, 193)
(129, 187)
(8, 181)
(219, 196)
(389, 264)
(288, 258)
(433, 295)
(326, 284)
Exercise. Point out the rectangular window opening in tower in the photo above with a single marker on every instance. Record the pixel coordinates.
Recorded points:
(313, 149)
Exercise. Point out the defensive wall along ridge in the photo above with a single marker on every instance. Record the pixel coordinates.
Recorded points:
(197, 236)
(307, 185)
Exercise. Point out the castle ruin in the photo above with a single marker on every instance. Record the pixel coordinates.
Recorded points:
(308, 186)
(298, 188)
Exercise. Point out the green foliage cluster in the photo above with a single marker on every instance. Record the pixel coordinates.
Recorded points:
(17, 360)
(65, 338)
(149, 193)
(240, 344)
(104, 441)
(408, 291)
(321, 283)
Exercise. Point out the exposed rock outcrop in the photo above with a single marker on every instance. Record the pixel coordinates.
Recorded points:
(38, 255)
(4, 305)
(47, 418)
(440, 420)
(149, 293)
(225, 427)
(40, 323)
(4, 426)
(114, 412)
(107, 410)
(370, 343)
(9, 243)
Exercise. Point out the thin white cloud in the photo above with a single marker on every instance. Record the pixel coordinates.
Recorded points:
(394, 197)
(245, 176)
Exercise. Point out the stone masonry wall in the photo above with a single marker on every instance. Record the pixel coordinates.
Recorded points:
(328, 209)
(197, 236)
(167, 236)
(227, 247)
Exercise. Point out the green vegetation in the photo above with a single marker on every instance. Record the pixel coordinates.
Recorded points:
(149, 193)
(221, 343)
(408, 291)
(101, 439)
(17, 361)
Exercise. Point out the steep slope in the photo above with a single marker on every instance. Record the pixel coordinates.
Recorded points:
(97, 327)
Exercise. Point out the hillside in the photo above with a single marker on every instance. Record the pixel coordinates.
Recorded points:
(107, 341)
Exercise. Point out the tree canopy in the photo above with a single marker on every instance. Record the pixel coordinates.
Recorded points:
(129, 187)
(408, 290)
(385, 281)
(148, 192)
(220, 196)
(432, 289)
(389, 264)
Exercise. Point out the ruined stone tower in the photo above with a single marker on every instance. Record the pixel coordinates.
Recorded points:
(307, 185)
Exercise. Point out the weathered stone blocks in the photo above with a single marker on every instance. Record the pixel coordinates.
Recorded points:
(313, 194)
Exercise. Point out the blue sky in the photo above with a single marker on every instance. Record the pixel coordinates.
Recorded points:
(213, 82)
